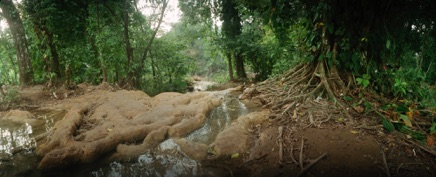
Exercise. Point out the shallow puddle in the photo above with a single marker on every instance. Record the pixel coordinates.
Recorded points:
(219, 119)
(19, 140)
(165, 160)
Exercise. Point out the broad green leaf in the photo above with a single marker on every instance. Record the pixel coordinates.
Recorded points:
(365, 83)
(359, 81)
(388, 44)
(388, 125)
(366, 76)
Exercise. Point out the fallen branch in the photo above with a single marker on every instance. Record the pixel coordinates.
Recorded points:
(251, 160)
(402, 164)
(227, 168)
(280, 142)
(313, 162)
(432, 152)
(301, 153)
(388, 173)
(373, 127)
(292, 155)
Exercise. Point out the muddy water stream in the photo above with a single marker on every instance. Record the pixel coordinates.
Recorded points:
(18, 142)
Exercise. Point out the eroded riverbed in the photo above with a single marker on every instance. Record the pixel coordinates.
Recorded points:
(21, 140)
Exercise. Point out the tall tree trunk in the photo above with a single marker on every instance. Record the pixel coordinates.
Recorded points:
(230, 65)
(147, 48)
(55, 64)
(239, 64)
(129, 50)
(231, 28)
(10, 13)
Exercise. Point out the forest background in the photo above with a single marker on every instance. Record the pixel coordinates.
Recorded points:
(383, 46)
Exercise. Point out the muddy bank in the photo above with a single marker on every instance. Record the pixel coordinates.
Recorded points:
(121, 125)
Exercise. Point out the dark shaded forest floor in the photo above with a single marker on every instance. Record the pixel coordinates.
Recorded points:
(318, 140)
(320, 143)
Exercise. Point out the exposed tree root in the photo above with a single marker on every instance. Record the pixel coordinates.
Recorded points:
(312, 162)
(314, 81)
(280, 144)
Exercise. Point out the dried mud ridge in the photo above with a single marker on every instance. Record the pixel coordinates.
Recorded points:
(118, 125)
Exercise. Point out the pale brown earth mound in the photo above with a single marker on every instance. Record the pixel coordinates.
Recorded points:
(122, 123)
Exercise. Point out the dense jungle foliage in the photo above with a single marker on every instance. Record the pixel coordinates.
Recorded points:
(385, 46)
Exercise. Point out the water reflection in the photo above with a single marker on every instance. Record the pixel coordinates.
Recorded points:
(17, 142)
(15, 138)
(219, 119)
(164, 161)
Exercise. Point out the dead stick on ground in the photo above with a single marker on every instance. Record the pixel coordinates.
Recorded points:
(388, 173)
(292, 155)
(280, 141)
(310, 117)
(311, 164)
(421, 147)
(301, 152)
(227, 168)
(399, 167)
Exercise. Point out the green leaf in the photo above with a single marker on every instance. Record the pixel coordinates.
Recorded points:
(348, 98)
(406, 120)
(367, 105)
(359, 81)
(321, 57)
(403, 83)
(406, 130)
(235, 155)
(388, 125)
(388, 44)
(365, 83)
(433, 128)
(402, 108)
(330, 28)
(366, 76)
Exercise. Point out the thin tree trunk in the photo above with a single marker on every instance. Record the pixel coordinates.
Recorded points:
(231, 28)
(230, 65)
(100, 50)
(153, 69)
(129, 50)
(150, 42)
(10, 13)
